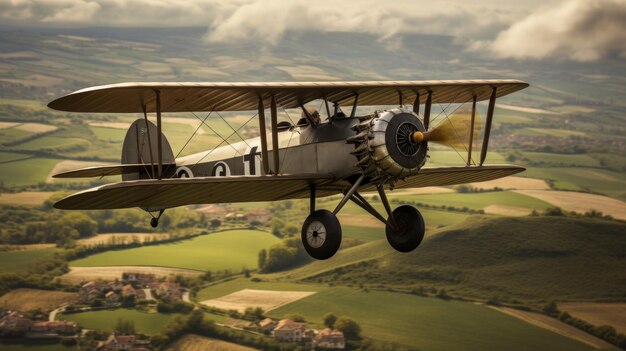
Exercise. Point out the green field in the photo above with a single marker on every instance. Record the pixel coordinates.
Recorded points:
(25, 172)
(610, 183)
(18, 261)
(9, 135)
(440, 157)
(527, 258)
(232, 250)
(364, 233)
(46, 345)
(109, 134)
(54, 143)
(423, 323)
(478, 200)
(147, 323)
(581, 160)
(10, 156)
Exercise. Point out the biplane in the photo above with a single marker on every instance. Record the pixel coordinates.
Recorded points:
(342, 154)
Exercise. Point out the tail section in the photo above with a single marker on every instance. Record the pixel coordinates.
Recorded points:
(140, 147)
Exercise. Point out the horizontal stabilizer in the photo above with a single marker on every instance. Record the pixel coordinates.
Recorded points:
(153, 194)
(101, 171)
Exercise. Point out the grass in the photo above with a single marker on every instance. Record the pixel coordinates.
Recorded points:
(26, 172)
(9, 135)
(147, 323)
(25, 299)
(10, 156)
(54, 143)
(424, 323)
(478, 200)
(610, 183)
(363, 233)
(18, 261)
(232, 250)
(35, 345)
(526, 258)
(579, 160)
(440, 158)
(109, 134)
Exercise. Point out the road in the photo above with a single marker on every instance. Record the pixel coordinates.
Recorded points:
(53, 314)
(148, 294)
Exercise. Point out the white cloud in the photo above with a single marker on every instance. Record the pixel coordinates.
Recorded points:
(580, 30)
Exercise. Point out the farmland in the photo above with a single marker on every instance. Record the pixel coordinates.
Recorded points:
(424, 323)
(19, 261)
(596, 313)
(31, 299)
(191, 342)
(232, 250)
(148, 323)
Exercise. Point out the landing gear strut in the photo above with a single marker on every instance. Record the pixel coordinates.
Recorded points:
(154, 222)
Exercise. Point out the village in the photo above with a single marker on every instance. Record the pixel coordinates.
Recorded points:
(148, 292)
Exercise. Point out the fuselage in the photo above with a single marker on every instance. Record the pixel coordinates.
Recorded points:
(302, 149)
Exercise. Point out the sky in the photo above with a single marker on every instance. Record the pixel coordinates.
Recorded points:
(576, 30)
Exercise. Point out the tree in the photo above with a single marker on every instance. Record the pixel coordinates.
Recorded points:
(296, 318)
(349, 328)
(215, 223)
(125, 327)
(262, 258)
(551, 309)
(329, 320)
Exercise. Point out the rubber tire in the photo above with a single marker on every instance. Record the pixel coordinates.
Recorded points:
(333, 235)
(154, 222)
(410, 232)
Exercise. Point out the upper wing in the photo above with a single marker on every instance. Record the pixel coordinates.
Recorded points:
(442, 176)
(182, 97)
(158, 194)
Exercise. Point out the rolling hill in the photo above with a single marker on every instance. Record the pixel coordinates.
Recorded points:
(528, 258)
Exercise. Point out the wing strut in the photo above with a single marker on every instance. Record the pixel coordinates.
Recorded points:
(159, 135)
(429, 102)
(266, 161)
(471, 136)
(416, 104)
(275, 149)
(492, 105)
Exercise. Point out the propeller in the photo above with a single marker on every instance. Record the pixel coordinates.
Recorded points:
(454, 131)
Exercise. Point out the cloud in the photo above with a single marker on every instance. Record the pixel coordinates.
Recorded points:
(580, 30)
(269, 20)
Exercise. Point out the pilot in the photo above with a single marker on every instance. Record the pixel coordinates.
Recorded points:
(310, 116)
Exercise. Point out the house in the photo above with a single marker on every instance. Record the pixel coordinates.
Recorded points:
(117, 343)
(129, 292)
(261, 215)
(14, 323)
(111, 297)
(54, 327)
(267, 325)
(91, 291)
(290, 331)
(330, 339)
(213, 211)
(141, 279)
(168, 291)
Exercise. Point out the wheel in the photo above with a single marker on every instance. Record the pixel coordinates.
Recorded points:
(321, 234)
(409, 230)
(154, 222)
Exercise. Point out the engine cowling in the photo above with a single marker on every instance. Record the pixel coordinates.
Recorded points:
(384, 147)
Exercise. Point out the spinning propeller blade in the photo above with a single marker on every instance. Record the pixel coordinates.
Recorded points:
(454, 131)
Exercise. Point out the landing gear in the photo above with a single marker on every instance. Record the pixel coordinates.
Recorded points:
(408, 231)
(321, 234)
(154, 222)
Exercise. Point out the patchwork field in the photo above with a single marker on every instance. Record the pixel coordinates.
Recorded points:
(19, 261)
(424, 323)
(513, 183)
(26, 198)
(77, 275)
(40, 345)
(147, 323)
(480, 200)
(613, 314)
(555, 325)
(578, 178)
(31, 299)
(192, 342)
(266, 299)
(233, 250)
(27, 171)
(580, 202)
